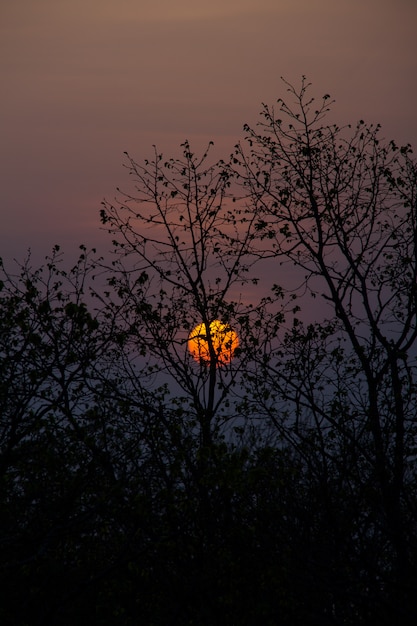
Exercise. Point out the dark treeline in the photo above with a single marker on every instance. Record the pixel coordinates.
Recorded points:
(140, 486)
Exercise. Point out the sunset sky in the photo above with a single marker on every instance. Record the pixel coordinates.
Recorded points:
(84, 80)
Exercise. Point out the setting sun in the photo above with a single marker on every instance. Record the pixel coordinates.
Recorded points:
(224, 340)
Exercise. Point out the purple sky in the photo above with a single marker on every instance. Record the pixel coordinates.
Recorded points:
(84, 80)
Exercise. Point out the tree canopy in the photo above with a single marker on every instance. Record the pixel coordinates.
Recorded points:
(277, 485)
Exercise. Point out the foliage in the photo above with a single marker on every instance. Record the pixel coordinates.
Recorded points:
(139, 486)
(342, 207)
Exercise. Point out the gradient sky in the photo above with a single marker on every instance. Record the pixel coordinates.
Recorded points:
(84, 80)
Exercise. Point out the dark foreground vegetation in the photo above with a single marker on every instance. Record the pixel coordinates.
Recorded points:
(138, 486)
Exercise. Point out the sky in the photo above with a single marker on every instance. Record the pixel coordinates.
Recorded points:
(85, 80)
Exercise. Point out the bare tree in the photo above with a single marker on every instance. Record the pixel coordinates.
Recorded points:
(182, 260)
(341, 205)
(267, 480)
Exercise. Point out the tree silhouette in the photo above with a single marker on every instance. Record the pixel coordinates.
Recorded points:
(341, 205)
(142, 485)
(179, 259)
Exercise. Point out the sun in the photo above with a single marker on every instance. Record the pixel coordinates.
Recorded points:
(223, 338)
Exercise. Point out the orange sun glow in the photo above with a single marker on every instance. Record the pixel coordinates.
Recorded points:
(223, 338)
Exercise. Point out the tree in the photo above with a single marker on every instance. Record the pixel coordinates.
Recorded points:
(121, 471)
(341, 205)
(70, 446)
(140, 484)
(180, 257)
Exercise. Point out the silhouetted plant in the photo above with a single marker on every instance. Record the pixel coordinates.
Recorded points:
(142, 486)
(341, 205)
